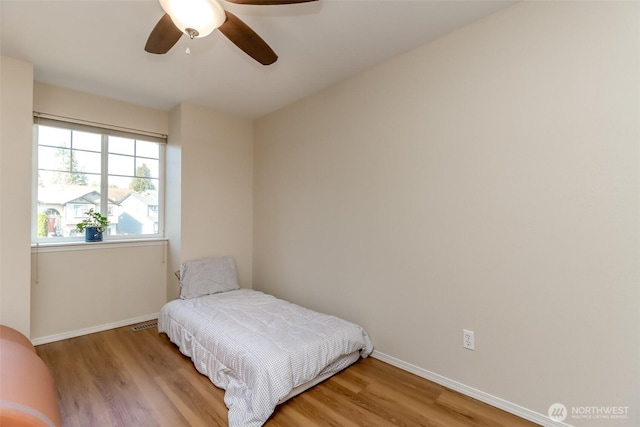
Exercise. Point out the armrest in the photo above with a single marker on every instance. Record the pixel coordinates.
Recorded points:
(27, 392)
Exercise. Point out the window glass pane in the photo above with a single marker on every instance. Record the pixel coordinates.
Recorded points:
(87, 141)
(71, 181)
(119, 183)
(55, 137)
(85, 161)
(45, 177)
(137, 207)
(121, 145)
(54, 158)
(93, 180)
(62, 202)
(147, 149)
(138, 213)
(121, 165)
(147, 168)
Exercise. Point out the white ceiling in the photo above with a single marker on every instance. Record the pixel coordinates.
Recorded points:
(96, 46)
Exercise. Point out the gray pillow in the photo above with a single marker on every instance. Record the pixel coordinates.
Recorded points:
(207, 276)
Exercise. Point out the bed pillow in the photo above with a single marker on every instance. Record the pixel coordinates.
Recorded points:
(207, 276)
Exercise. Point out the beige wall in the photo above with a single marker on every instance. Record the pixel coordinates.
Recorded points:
(173, 199)
(16, 99)
(83, 106)
(488, 181)
(215, 154)
(80, 289)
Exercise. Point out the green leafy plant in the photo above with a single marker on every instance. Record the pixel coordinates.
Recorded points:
(93, 219)
(43, 224)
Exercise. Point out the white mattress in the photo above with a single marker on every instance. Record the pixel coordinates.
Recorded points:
(260, 348)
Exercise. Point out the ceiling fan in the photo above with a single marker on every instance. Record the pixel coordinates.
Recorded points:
(198, 18)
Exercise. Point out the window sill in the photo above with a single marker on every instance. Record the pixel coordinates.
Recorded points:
(107, 244)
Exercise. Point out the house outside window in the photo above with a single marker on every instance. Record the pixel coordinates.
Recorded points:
(79, 167)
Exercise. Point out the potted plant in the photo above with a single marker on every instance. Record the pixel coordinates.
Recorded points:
(93, 226)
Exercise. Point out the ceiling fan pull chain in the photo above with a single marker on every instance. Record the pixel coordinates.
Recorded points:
(192, 34)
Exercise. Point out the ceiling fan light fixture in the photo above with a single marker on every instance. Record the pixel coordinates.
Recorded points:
(196, 18)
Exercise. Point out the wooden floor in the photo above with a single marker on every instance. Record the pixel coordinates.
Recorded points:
(126, 378)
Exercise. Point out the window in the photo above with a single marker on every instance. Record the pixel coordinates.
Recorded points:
(79, 167)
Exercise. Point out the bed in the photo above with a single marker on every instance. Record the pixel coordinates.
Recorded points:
(260, 349)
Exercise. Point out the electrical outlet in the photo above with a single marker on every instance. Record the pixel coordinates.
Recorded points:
(468, 339)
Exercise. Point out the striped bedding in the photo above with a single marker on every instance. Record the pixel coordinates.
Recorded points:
(259, 348)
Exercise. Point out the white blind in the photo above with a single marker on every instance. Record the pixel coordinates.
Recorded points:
(86, 126)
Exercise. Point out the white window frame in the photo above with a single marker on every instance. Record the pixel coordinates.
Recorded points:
(105, 131)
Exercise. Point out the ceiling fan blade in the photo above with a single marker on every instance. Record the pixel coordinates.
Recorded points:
(247, 40)
(163, 36)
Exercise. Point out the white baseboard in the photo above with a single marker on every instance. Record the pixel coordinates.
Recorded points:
(93, 329)
(470, 391)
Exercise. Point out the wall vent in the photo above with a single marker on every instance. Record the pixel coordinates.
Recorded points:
(145, 326)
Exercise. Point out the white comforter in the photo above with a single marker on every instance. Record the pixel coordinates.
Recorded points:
(258, 348)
